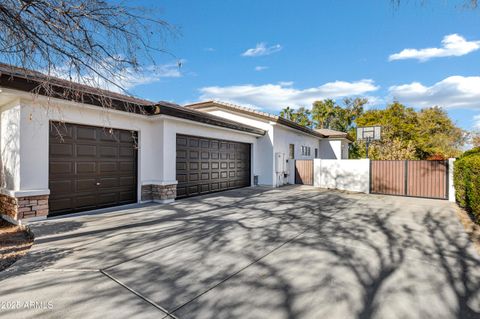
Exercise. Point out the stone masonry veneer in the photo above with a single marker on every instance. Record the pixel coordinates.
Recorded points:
(19, 208)
(154, 192)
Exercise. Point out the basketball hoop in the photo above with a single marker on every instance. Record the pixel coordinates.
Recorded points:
(369, 134)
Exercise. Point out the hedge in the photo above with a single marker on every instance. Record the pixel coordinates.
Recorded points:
(467, 182)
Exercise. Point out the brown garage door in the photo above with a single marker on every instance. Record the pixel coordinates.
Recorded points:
(207, 165)
(91, 167)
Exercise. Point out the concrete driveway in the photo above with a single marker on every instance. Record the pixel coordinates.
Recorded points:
(293, 252)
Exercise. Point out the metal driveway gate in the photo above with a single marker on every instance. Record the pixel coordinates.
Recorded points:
(410, 178)
(304, 172)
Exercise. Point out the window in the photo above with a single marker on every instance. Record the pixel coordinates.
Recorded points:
(316, 153)
(306, 151)
(291, 150)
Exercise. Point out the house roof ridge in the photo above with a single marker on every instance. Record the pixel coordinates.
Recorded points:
(250, 109)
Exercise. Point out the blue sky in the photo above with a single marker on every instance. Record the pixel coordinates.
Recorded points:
(271, 54)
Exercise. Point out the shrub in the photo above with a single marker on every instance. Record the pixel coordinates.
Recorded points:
(473, 151)
(467, 183)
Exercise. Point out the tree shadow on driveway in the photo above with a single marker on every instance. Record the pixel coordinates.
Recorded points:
(293, 252)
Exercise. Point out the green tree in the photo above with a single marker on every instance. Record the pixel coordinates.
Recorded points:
(407, 134)
(328, 114)
(288, 113)
(438, 135)
(302, 117)
(475, 139)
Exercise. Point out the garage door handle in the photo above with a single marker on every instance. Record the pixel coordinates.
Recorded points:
(97, 183)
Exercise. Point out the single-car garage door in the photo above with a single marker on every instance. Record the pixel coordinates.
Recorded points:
(207, 165)
(91, 167)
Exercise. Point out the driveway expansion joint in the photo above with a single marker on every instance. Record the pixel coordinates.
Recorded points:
(139, 295)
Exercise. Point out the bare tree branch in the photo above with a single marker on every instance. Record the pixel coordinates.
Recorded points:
(92, 42)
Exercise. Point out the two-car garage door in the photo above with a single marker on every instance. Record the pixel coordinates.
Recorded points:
(91, 167)
(206, 165)
(94, 167)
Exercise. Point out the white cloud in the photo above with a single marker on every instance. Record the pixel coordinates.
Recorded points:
(262, 49)
(260, 68)
(209, 49)
(278, 96)
(454, 91)
(452, 45)
(128, 79)
(476, 125)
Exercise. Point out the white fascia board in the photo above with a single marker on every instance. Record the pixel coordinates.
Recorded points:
(173, 118)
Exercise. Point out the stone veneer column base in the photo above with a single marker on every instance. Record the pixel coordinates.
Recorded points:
(159, 193)
(26, 207)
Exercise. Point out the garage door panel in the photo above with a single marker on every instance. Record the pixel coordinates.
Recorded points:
(108, 151)
(193, 155)
(86, 133)
(60, 204)
(126, 196)
(127, 137)
(108, 182)
(205, 188)
(107, 167)
(127, 167)
(86, 167)
(181, 154)
(89, 200)
(181, 191)
(60, 132)
(83, 185)
(181, 178)
(181, 166)
(65, 150)
(193, 190)
(61, 168)
(107, 135)
(62, 187)
(107, 198)
(127, 181)
(127, 151)
(96, 168)
(193, 142)
(207, 165)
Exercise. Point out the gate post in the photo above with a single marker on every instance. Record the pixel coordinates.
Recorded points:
(451, 187)
(405, 177)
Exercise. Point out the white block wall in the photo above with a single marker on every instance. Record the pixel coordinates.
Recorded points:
(349, 175)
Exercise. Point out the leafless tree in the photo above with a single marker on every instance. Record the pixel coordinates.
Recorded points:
(91, 42)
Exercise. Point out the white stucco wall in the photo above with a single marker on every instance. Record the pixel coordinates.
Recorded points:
(24, 141)
(334, 149)
(277, 141)
(10, 146)
(171, 126)
(350, 175)
(282, 138)
(265, 160)
(34, 139)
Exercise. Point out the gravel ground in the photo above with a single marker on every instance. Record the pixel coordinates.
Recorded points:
(15, 241)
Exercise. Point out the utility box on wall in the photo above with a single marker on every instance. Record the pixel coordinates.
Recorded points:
(279, 163)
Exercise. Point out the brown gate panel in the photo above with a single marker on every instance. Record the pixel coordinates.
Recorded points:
(427, 179)
(387, 177)
(304, 172)
(90, 167)
(410, 178)
(205, 165)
